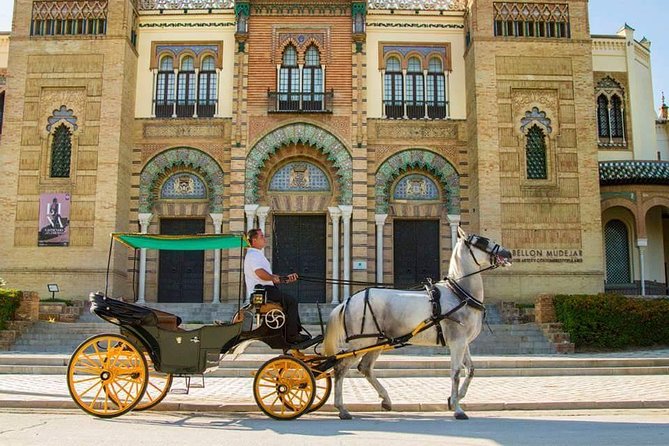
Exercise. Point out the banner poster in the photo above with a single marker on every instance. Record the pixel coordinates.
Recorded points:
(54, 220)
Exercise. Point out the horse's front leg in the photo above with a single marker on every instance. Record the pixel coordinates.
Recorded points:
(457, 355)
(469, 367)
(366, 367)
(341, 370)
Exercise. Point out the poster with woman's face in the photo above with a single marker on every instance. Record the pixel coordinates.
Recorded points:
(54, 219)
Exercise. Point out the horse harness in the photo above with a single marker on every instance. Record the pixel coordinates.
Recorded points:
(434, 295)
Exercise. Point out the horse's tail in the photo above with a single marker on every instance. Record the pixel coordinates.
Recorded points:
(334, 332)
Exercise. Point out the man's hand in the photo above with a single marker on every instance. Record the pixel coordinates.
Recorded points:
(290, 278)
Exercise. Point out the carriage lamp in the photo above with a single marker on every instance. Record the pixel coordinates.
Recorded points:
(53, 289)
(258, 297)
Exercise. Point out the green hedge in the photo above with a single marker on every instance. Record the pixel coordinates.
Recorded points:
(9, 302)
(613, 321)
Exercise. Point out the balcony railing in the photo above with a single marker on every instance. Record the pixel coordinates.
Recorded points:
(415, 109)
(172, 109)
(279, 102)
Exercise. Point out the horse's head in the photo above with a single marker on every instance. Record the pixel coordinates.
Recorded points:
(494, 253)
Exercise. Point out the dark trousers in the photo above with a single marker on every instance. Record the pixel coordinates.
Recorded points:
(289, 304)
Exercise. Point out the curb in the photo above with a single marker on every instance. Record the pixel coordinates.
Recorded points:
(369, 407)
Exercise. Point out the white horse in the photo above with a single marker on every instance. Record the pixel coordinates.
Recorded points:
(391, 314)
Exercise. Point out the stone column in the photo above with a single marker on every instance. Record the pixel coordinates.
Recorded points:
(250, 211)
(346, 212)
(144, 220)
(217, 220)
(454, 221)
(262, 212)
(335, 215)
(642, 243)
(380, 221)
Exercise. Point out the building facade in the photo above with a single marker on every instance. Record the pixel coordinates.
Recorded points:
(358, 135)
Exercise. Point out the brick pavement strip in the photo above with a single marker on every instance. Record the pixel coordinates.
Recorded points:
(408, 394)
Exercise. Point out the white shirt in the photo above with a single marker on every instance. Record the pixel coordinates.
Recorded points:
(254, 260)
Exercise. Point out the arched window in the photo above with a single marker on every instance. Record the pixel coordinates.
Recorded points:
(206, 103)
(616, 117)
(603, 116)
(299, 176)
(616, 240)
(312, 81)
(183, 185)
(165, 88)
(436, 90)
(416, 187)
(415, 89)
(61, 152)
(289, 81)
(393, 96)
(186, 88)
(535, 152)
(2, 109)
(610, 112)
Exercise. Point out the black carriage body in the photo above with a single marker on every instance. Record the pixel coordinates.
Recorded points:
(172, 350)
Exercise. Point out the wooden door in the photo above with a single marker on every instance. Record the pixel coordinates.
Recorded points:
(181, 273)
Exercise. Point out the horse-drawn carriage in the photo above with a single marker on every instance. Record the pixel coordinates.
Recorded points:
(111, 374)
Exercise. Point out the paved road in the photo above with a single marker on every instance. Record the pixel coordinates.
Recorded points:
(592, 428)
(407, 394)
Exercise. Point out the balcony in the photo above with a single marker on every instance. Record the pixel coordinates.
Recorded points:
(279, 102)
(171, 109)
(415, 109)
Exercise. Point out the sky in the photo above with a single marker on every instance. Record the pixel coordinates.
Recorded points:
(648, 17)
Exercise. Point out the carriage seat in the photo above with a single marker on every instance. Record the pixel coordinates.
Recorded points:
(167, 321)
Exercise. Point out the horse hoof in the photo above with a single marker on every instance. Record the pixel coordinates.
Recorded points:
(461, 416)
(386, 406)
(345, 416)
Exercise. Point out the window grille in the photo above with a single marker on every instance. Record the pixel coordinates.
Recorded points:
(616, 241)
(61, 152)
(536, 154)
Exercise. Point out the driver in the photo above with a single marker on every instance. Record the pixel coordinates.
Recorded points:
(258, 271)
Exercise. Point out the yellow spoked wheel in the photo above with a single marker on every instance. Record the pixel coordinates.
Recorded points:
(284, 388)
(157, 388)
(323, 389)
(107, 375)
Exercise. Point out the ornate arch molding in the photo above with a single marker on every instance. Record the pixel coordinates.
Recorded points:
(437, 165)
(307, 134)
(174, 159)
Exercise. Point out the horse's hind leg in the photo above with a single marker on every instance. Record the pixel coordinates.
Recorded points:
(366, 367)
(340, 371)
(469, 367)
(457, 356)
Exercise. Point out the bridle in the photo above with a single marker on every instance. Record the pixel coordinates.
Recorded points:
(483, 244)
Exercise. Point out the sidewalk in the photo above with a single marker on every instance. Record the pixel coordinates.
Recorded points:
(407, 394)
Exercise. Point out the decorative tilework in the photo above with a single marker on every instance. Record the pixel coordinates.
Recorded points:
(307, 134)
(183, 185)
(185, 4)
(416, 187)
(69, 10)
(418, 4)
(299, 176)
(437, 165)
(185, 158)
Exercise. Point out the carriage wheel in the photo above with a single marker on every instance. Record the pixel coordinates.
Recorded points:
(284, 388)
(157, 388)
(323, 389)
(107, 375)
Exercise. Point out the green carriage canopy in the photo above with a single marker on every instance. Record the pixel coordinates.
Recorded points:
(197, 242)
